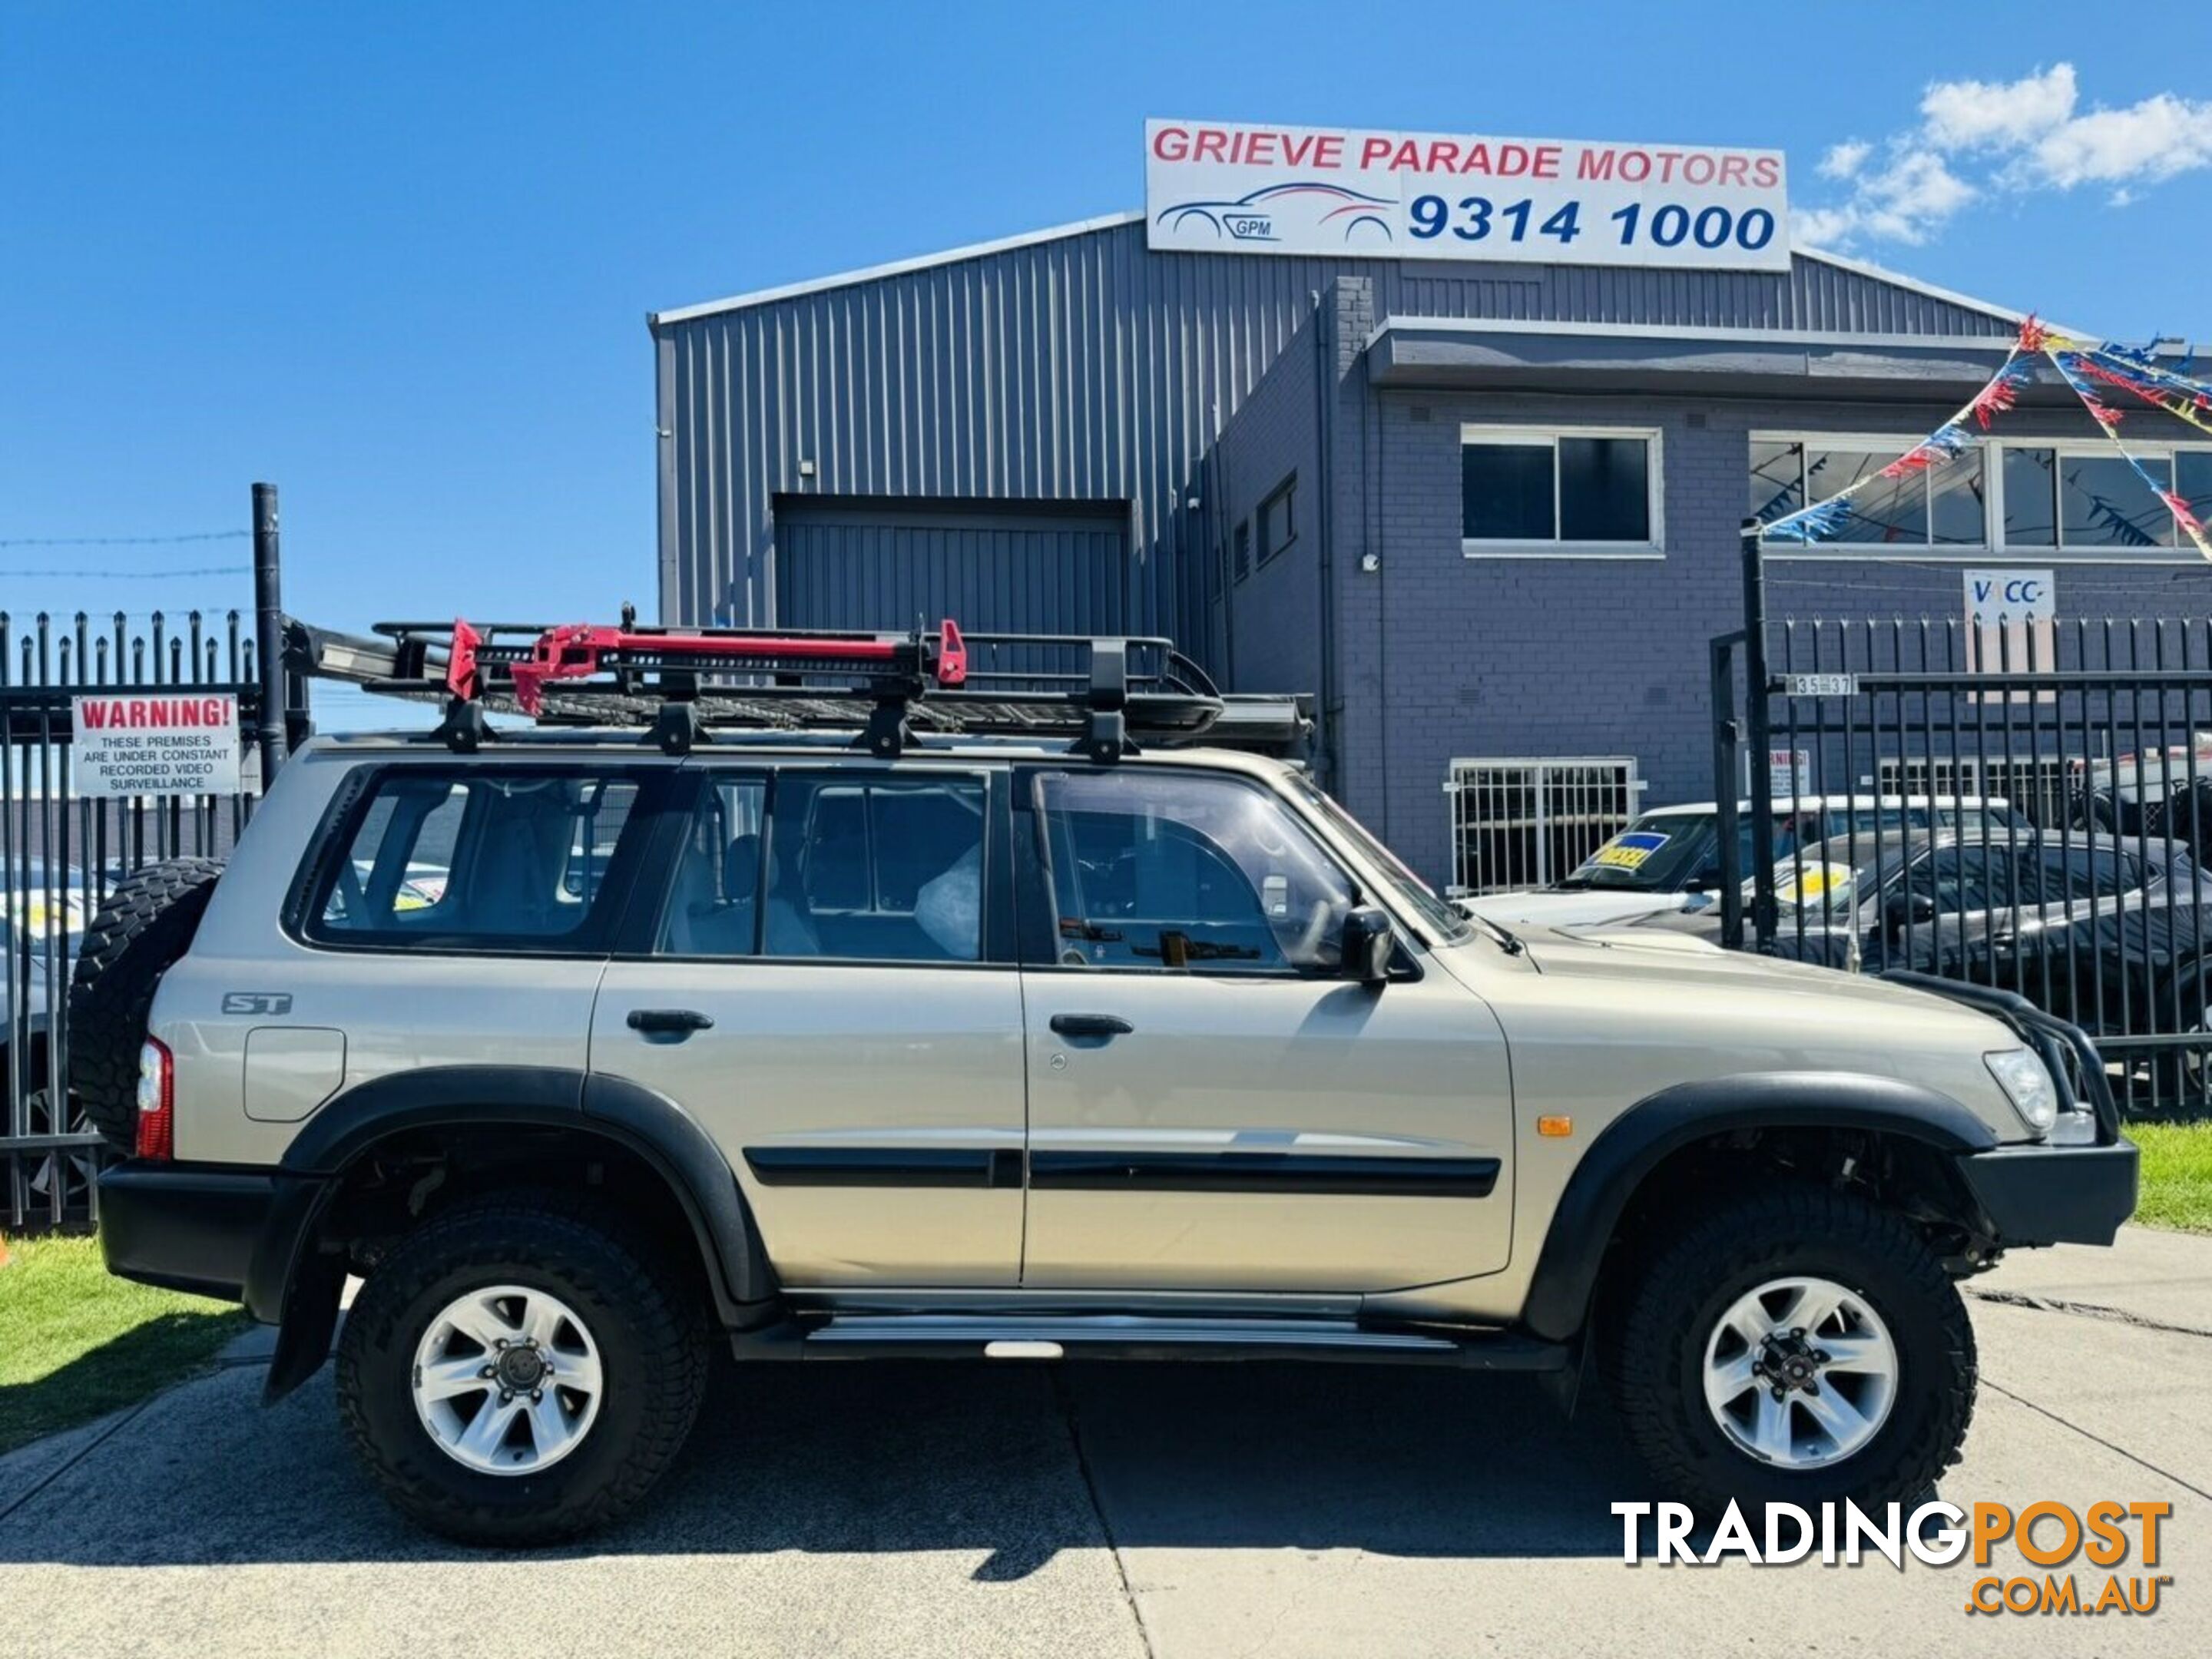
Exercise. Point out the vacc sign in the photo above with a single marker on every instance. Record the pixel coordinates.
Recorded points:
(1225, 187)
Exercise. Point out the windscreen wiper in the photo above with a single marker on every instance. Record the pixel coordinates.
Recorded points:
(1508, 941)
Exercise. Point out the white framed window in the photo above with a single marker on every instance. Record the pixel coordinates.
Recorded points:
(2076, 499)
(2084, 498)
(1940, 508)
(1553, 492)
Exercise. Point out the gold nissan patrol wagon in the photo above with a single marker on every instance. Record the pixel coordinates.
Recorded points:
(837, 996)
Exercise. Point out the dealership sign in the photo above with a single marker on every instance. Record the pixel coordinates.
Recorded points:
(1221, 187)
(171, 744)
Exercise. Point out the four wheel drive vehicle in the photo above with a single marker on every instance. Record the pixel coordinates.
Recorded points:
(1052, 1035)
(1668, 859)
(2114, 933)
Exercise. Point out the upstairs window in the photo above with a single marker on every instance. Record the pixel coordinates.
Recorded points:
(1597, 490)
(1278, 519)
(1243, 545)
(1941, 506)
(2092, 501)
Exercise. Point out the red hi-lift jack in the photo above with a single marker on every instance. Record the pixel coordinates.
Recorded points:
(577, 651)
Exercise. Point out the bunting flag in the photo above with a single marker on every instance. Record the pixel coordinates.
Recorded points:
(2084, 366)
(1818, 520)
(2090, 370)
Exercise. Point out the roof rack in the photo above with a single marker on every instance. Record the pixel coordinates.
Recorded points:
(1107, 696)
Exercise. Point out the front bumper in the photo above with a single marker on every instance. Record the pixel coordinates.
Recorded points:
(2038, 1194)
(186, 1227)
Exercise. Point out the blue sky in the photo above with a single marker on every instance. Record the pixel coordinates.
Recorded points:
(398, 258)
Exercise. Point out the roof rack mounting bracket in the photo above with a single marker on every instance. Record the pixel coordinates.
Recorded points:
(676, 728)
(1105, 725)
(887, 732)
(465, 729)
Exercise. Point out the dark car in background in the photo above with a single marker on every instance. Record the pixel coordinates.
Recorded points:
(2111, 933)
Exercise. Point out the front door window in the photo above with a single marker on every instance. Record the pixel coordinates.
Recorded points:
(1172, 872)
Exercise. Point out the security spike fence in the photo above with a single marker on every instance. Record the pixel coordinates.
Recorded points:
(61, 855)
(2041, 819)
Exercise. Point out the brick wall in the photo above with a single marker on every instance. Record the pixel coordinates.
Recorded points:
(1440, 656)
(1273, 612)
(1591, 656)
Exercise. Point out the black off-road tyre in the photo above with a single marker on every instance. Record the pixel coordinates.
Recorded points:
(647, 1319)
(1655, 1363)
(146, 923)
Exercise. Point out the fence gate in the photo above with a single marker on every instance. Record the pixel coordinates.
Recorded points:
(61, 853)
(1522, 822)
(2030, 809)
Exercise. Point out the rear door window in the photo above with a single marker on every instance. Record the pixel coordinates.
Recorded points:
(875, 869)
(491, 859)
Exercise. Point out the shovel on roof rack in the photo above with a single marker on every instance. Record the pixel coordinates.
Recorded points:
(1107, 695)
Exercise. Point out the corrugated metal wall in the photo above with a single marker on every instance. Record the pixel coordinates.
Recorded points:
(1086, 366)
(1048, 571)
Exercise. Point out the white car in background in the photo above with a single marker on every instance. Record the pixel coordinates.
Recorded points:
(1669, 858)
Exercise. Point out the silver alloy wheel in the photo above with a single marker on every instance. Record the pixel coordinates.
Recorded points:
(508, 1380)
(1801, 1372)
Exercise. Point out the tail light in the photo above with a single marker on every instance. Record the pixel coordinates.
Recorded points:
(157, 1101)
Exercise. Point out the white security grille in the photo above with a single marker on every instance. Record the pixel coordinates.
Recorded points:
(1523, 822)
(2038, 785)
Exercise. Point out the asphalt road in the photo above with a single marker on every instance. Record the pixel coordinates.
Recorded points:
(1110, 1509)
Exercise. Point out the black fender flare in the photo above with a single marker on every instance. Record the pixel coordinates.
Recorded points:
(289, 1283)
(1634, 1143)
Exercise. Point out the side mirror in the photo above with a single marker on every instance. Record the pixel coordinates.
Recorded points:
(1368, 945)
(1913, 908)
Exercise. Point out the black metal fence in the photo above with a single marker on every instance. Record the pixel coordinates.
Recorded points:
(60, 854)
(2021, 803)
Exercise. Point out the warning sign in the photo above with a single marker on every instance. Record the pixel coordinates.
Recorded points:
(183, 743)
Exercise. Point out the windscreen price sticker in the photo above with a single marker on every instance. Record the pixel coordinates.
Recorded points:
(184, 743)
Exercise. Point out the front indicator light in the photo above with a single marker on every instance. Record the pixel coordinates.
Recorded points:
(2028, 1085)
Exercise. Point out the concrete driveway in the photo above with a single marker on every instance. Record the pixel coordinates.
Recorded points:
(1110, 1509)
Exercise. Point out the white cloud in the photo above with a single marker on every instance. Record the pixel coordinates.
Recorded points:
(2153, 140)
(1980, 138)
(1911, 196)
(1844, 159)
(1968, 114)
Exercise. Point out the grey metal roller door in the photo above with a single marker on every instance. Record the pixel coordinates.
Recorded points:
(1047, 569)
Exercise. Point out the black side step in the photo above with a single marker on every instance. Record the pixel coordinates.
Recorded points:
(1116, 1336)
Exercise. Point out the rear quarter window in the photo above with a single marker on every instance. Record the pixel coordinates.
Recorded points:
(488, 859)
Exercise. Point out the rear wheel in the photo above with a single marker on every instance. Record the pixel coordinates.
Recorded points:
(521, 1371)
(1800, 1346)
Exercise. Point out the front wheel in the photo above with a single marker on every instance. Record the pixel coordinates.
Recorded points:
(518, 1371)
(1801, 1346)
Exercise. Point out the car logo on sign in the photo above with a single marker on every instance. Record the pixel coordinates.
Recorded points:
(257, 1002)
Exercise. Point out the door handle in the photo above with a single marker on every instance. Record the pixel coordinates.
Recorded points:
(1092, 1025)
(673, 1022)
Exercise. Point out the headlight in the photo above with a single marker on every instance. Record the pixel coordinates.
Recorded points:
(2026, 1085)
